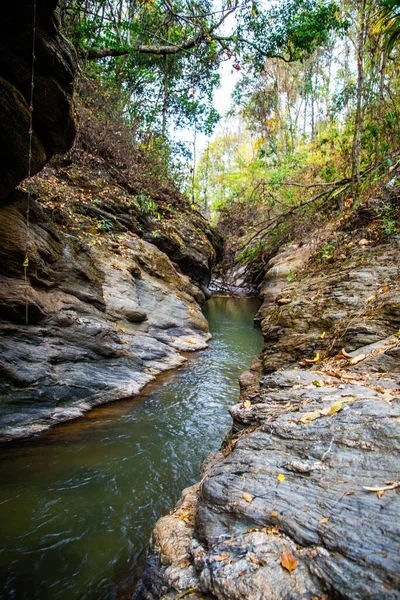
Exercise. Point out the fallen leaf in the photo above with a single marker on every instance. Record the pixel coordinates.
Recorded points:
(310, 416)
(247, 404)
(274, 515)
(284, 301)
(358, 359)
(188, 591)
(248, 497)
(323, 335)
(288, 561)
(336, 407)
(253, 560)
(364, 242)
(323, 521)
(383, 488)
(281, 477)
(317, 383)
(380, 493)
(222, 556)
(343, 354)
(272, 530)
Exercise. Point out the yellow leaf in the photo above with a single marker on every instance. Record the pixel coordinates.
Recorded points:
(323, 335)
(274, 514)
(336, 407)
(317, 383)
(247, 404)
(188, 591)
(26, 262)
(248, 497)
(288, 561)
(323, 521)
(310, 416)
(281, 477)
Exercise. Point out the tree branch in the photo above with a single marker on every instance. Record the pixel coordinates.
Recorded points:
(158, 50)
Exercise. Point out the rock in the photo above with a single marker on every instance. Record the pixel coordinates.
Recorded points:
(321, 512)
(53, 125)
(99, 327)
(302, 499)
(334, 309)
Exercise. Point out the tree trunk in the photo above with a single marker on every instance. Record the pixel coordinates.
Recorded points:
(165, 100)
(359, 116)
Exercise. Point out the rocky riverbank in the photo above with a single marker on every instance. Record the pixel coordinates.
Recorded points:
(302, 500)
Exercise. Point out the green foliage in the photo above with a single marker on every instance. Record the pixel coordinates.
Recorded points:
(389, 22)
(389, 218)
(327, 250)
(147, 206)
(105, 225)
(290, 276)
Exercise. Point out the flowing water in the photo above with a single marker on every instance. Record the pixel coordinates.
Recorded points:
(77, 505)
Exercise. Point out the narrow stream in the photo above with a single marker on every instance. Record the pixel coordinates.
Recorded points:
(77, 505)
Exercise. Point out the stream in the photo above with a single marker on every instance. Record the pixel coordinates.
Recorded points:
(77, 505)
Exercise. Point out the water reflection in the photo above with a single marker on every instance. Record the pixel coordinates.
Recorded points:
(78, 504)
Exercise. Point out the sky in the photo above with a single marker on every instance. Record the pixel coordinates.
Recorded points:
(222, 95)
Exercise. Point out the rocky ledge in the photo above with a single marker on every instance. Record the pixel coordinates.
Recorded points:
(302, 500)
(100, 313)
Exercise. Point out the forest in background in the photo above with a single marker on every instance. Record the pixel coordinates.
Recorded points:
(308, 139)
(314, 119)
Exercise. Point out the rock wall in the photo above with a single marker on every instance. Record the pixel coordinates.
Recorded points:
(302, 500)
(100, 324)
(53, 124)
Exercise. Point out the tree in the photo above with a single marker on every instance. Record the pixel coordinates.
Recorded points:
(389, 22)
(166, 53)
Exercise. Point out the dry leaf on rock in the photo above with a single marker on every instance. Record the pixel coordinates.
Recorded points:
(357, 359)
(248, 497)
(222, 556)
(288, 561)
(281, 477)
(310, 416)
(390, 485)
(323, 521)
(247, 404)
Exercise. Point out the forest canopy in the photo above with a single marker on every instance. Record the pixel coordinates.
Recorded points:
(164, 55)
